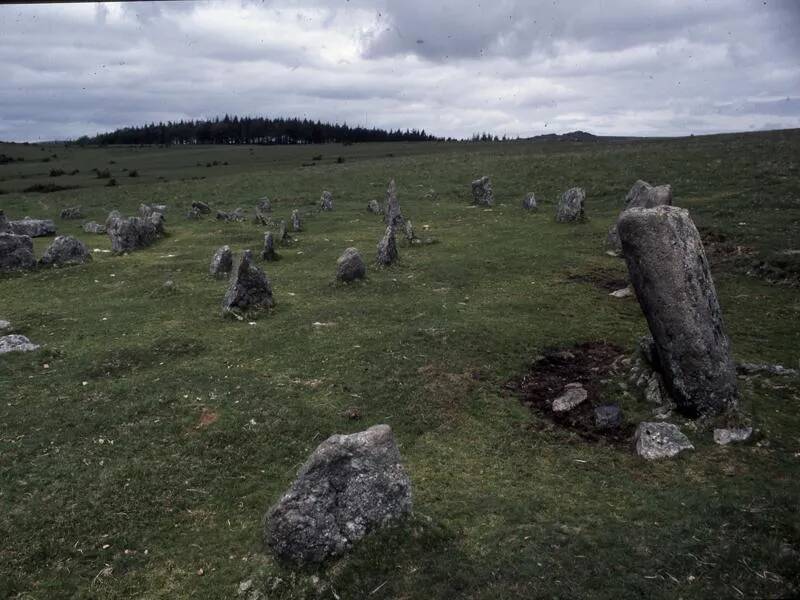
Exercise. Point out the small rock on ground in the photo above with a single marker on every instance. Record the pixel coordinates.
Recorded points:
(16, 343)
(660, 440)
(726, 436)
(573, 395)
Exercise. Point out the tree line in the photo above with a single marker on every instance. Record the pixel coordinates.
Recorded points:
(253, 130)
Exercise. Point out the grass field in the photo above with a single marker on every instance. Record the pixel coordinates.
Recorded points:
(141, 446)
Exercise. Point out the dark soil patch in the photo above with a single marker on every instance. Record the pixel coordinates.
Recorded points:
(46, 188)
(605, 280)
(591, 364)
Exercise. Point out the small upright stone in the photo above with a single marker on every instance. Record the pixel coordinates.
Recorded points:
(669, 271)
(268, 252)
(350, 485)
(134, 233)
(482, 193)
(201, 207)
(660, 440)
(16, 343)
(297, 223)
(16, 253)
(408, 231)
(65, 250)
(529, 202)
(387, 248)
(392, 215)
(350, 266)
(5, 226)
(326, 201)
(641, 195)
(193, 214)
(94, 227)
(249, 288)
(222, 262)
(264, 204)
(73, 212)
(374, 207)
(570, 206)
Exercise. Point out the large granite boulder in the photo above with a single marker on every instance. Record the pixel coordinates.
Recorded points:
(529, 201)
(660, 440)
(72, 212)
(669, 271)
(16, 253)
(482, 193)
(387, 248)
(326, 201)
(222, 262)
(350, 485)
(641, 195)
(133, 233)
(65, 250)
(392, 215)
(94, 227)
(16, 343)
(350, 266)
(249, 288)
(33, 227)
(570, 206)
(297, 222)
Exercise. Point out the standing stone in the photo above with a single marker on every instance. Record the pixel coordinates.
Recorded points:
(408, 231)
(387, 248)
(94, 227)
(350, 485)
(660, 440)
(16, 343)
(529, 202)
(263, 208)
(374, 207)
(156, 219)
(146, 210)
(73, 212)
(16, 253)
(350, 266)
(193, 214)
(222, 262)
(201, 207)
(133, 233)
(297, 223)
(112, 216)
(570, 206)
(326, 201)
(282, 235)
(482, 193)
(268, 252)
(33, 227)
(65, 250)
(249, 288)
(264, 205)
(641, 195)
(5, 326)
(5, 226)
(392, 215)
(669, 271)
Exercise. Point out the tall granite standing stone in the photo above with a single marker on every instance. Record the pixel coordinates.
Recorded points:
(350, 266)
(16, 253)
(326, 201)
(249, 288)
(222, 262)
(641, 195)
(570, 206)
(670, 273)
(350, 485)
(297, 222)
(529, 201)
(392, 215)
(387, 248)
(482, 193)
(65, 250)
(268, 251)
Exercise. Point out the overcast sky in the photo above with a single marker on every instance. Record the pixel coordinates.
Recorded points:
(514, 67)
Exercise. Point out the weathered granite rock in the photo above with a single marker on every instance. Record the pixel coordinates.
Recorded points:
(641, 195)
(297, 222)
(571, 396)
(264, 204)
(234, 216)
(249, 288)
(112, 216)
(392, 215)
(746, 368)
(201, 207)
(193, 214)
(350, 485)
(282, 234)
(156, 219)
(146, 210)
(608, 416)
(33, 227)
(132, 233)
(660, 440)
(326, 201)
(268, 251)
(16, 253)
(16, 343)
(5, 326)
(94, 227)
(5, 226)
(625, 292)
(529, 202)
(724, 436)
(482, 193)
(262, 212)
(222, 262)
(374, 207)
(350, 266)
(387, 248)
(408, 231)
(73, 212)
(570, 206)
(669, 271)
(65, 250)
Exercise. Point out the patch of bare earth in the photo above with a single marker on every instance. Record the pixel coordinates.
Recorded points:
(603, 279)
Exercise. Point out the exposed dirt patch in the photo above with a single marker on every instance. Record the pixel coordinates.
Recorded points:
(448, 389)
(207, 417)
(593, 365)
(719, 248)
(603, 279)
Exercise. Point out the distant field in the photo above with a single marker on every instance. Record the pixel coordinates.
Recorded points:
(140, 448)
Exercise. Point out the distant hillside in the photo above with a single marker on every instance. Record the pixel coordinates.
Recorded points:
(252, 130)
(572, 136)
